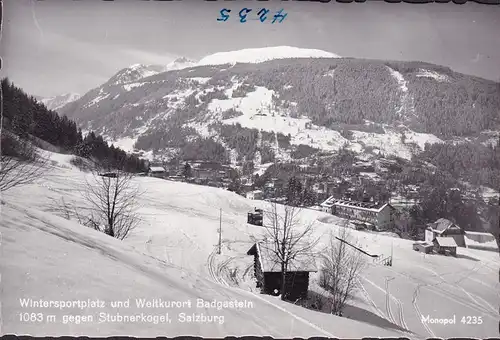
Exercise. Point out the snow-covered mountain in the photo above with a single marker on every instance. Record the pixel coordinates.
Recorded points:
(258, 55)
(138, 71)
(250, 55)
(125, 76)
(180, 63)
(303, 101)
(56, 102)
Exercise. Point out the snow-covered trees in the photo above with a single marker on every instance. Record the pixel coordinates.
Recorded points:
(29, 120)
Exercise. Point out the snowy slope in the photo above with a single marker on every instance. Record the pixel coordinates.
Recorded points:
(434, 75)
(256, 114)
(46, 256)
(258, 55)
(56, 102)
(52, 259)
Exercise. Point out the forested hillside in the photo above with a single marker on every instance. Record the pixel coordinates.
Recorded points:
(425, 97)
(472, 162)
(27, 117)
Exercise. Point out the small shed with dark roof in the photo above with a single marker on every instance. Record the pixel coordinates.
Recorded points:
(268, 272)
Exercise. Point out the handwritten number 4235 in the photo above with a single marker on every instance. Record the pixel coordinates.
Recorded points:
(262, 15)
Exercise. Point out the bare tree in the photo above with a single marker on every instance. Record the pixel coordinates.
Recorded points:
(340, 270)
(113, 199)
(21, 162)
(288, 240)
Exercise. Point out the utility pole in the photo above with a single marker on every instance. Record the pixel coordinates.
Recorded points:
(392, 246)
(220, 231)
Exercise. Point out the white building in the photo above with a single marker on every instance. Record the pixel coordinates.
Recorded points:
(378, 215)
(255, 195)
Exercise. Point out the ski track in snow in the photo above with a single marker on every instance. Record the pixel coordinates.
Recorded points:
(388, 298)
(173, 211)
(435, 289)
(420, 315)
(484, 305)
(372, 303)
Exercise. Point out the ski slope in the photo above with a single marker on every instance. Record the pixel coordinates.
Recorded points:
(172, 256)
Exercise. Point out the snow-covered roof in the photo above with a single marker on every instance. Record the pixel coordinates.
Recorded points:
(423, 244)
(479, 236)
(271, 264)
(366, 206)
(446, 241)
(157, 169)
(441, 225)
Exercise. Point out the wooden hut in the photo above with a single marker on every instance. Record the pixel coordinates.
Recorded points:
(268, 272)
(157, 171)
(444, 245)
(256, 217)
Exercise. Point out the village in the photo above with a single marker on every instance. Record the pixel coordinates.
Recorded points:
(441, 237)
(216, 174)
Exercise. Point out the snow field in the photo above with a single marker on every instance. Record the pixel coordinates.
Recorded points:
(172, 255)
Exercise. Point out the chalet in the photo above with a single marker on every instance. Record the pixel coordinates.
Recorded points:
(255, 195)
(443, 245)
(445, 228)
(157, 171)
(268, 272)
(379, 216)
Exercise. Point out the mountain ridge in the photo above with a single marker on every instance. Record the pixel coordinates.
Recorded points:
(57, 102)
(379, 102)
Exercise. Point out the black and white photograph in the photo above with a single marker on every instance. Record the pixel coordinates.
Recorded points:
(249, 168)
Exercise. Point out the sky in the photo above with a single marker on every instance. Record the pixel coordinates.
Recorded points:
(52, 47)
